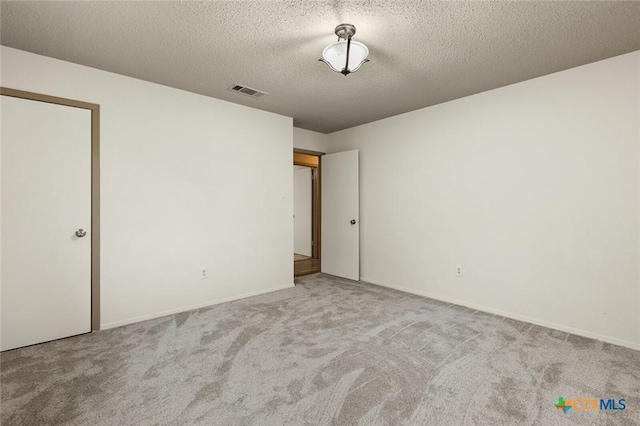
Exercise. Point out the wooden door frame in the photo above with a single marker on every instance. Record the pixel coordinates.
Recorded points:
(307, 158)
(95, 186)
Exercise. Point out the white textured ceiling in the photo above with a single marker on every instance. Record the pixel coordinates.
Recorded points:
(422, 53)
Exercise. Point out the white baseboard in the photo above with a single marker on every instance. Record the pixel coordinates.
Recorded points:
(120, 323)
(576, 331)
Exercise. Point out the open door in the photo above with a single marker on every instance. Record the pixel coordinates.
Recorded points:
(340, 215)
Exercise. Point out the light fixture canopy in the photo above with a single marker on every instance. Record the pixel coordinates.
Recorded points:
(345, 56)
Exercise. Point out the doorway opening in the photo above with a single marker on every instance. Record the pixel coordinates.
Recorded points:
(306, 212)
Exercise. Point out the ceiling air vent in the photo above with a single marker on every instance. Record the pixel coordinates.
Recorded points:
(246, 91)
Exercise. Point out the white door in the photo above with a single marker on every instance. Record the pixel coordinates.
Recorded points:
(340, 215)
(46, 198)
(302, 210)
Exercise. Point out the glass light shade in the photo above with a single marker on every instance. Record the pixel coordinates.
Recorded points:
(335, 55)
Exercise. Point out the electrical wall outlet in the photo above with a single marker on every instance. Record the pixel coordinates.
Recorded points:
(204, 273)
(458, 270)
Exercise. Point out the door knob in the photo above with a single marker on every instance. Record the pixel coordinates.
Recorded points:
(81, 233)
(353, 221)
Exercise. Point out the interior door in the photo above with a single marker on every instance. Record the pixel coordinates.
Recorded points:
(46, 200)
(340, 215)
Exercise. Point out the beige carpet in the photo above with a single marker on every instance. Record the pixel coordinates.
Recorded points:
(327, 352)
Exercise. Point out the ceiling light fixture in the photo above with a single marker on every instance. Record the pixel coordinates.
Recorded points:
(345, 56)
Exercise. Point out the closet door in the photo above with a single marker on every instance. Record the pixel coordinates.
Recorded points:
(46, 222)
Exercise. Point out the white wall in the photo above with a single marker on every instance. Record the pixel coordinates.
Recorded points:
(302, 210)
(533, 188)
(186, 181)
(311, 141)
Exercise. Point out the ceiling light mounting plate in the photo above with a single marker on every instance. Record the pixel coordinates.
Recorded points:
(345, 31)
